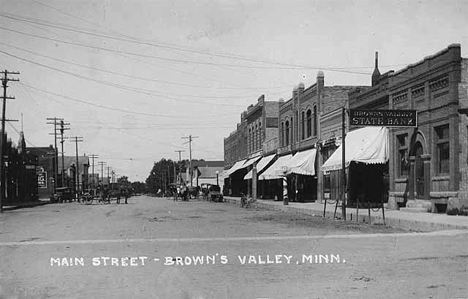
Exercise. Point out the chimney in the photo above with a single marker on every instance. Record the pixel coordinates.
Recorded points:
(376, 73)
(300, 88)
(294, 93)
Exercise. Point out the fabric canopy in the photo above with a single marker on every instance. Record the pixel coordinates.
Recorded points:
(260, 166)
(302, 163)
(367, 145)
(250, 162)
(234, 168)
(275, 171)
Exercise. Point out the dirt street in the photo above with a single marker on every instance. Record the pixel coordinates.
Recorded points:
(158, 248)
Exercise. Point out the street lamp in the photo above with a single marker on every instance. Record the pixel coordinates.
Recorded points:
(217, 178)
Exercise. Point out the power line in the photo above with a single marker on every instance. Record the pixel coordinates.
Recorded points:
(137, 77)
(108, 107)
(174, 47)
(120, 86)
(285, 66)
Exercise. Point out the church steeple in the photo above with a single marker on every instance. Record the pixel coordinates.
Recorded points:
(376, 73)
(22, 141)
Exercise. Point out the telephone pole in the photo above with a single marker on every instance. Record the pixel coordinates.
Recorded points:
(62, 129)
(178, 175)
(108, 178)
(5, 81)
(102, 172)
(77, 139)
(93, 156)
(190, 137)
(55, 123)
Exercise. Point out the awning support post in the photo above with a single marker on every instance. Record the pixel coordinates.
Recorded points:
(343, 162)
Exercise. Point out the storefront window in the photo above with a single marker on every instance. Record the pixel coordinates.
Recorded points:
(443, 149)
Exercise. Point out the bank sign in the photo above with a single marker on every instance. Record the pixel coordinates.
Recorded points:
(383, 118)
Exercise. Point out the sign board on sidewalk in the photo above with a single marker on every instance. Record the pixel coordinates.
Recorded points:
(383, 118)
(42, 179)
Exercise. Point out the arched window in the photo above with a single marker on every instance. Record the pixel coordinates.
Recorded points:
(309, 123)
(282, 134)
(292, 131)
(249, 140)
(315, 120)
(286, 133)
(302, 125)
(256, 138)
(260, 133)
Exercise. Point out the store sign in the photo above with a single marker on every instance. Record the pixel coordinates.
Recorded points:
(383, 118)
(42, 179)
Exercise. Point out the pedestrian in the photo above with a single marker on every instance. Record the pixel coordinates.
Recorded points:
(177, 194)
(127, 195)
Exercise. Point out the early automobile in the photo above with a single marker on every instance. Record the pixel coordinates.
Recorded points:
(214, 193)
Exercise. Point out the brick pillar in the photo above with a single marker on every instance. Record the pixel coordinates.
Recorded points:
(411, 179)
(427, 175)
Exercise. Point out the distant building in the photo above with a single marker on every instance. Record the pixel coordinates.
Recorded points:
(208, 172)
(45, 165)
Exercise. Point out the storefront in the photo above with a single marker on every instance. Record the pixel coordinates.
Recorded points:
(264, 189)
(366, 164)
(300, 172)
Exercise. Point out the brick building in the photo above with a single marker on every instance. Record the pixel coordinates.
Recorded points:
(257, 133)
(308, 122)
(427, 165)
(45, 169)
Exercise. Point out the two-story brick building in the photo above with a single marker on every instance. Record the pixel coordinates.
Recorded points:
(426, 165)
(307, 126)
(256, 134)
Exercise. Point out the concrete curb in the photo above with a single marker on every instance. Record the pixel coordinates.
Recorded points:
(26, 205)
(390, 220)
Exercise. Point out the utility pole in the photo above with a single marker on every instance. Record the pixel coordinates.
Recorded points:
(62, 129)
(55, 123)
(113, 173)
(77, 139)
(190, 150)
(93, 156)
(108, 178)
(179, 151)
(102, 172)
(5, 81)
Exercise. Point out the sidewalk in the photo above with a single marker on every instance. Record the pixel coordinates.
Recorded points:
(40, 202)
(406, 220)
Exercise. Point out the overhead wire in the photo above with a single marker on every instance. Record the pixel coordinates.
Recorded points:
(120, 86)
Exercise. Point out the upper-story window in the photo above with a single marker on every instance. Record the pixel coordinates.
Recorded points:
(309, 123)
(282, 134)
(292, 130)
(249, 141)
(302, 125)
(315, 120)
(260, 135)
(443, 149)
(286, 134)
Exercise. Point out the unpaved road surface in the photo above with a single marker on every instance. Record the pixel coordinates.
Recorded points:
(157, 248)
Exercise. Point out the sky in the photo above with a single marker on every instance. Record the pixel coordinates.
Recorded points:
(136, 78)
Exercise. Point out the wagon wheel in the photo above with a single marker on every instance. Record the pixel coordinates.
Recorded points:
(87, 200)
